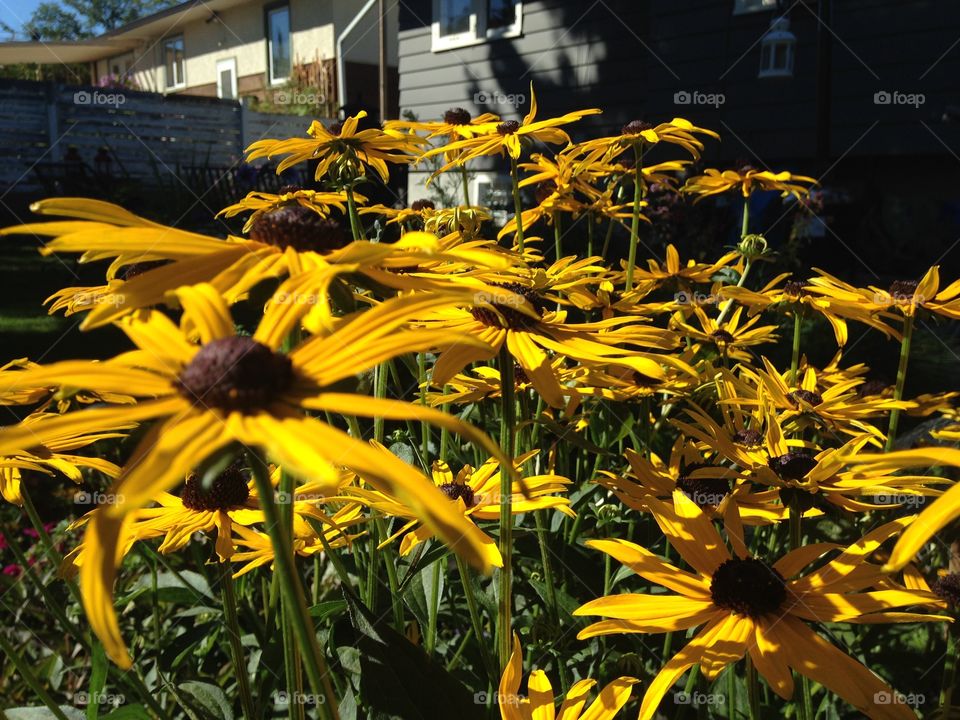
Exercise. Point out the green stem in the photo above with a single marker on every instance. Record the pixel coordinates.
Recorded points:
(949, 677)
(430, 642)
(236, 647)
(589, 235)
(379, 392)
(901, 379)
(795, 356)
(731, 699)
(295, 602)
(389, 562)
(744, 228)
(475, 619)
(729, 304)
(25, 670)
(753, 690)
(507, 422)
(554, 607)
(606, 241)
(465, 183)
(635, 222)
(356, 227)
(517, 205)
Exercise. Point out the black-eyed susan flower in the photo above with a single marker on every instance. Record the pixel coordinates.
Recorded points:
(747, 180)
(341, 150)
(748, 605)
(638, 133)
(288, 240)
(55, 454)
(506, 138)
(476, 494)
(731, 337)
(238, 389)
(257, 203)
(539, 702)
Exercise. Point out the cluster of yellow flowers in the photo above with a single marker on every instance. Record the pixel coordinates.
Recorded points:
(255, 438)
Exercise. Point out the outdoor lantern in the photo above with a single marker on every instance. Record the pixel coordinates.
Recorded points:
(102, 161)
(777, 50)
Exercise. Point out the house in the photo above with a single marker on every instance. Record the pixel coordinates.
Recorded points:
(861, 93)
(261, 51)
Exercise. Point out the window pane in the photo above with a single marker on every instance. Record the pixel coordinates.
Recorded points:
(501, 13)
(173, 52)
(226, 84)
(279, 20)
(455, 16)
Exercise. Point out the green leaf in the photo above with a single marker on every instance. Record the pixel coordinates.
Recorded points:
(398, 680)
(128, 712)
(185, 588)
(42, 713)
(98, 679)
(327, 609)
(207, 700)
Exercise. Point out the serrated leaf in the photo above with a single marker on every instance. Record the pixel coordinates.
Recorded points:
(208, 699)
(42, 713)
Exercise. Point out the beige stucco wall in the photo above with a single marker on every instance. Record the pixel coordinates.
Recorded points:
(239, 33)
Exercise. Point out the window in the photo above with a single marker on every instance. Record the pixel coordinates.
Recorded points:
(173, 60)
(742, 7)
(227, 79)
(457, 23)
(278, 43)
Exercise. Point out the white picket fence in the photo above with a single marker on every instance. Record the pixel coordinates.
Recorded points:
(147, 135)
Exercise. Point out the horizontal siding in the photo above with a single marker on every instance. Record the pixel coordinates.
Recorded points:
(633, 60)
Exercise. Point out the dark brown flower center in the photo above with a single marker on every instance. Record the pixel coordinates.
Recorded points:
(747, 586)
(289, 189)
(795, 289)
(300, 228)
(335, 128)
(706, 492)
(750, 438)
(635, 127)
(948, 588)
(722, 337)
(229, 489)
(871, 387)
(461, 491)
(544, 190)
(903, 289)
(811, 397)
(792, 466)
(421, 205)
(509, 316)
(508, 127)
(235, 373)
(456, 116)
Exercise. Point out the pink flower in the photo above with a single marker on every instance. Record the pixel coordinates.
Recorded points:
(12, 570)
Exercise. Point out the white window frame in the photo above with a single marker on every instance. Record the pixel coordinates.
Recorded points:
(231, 65)
(478, 32)
(748, 7)
(181, 82)
(271, 79)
